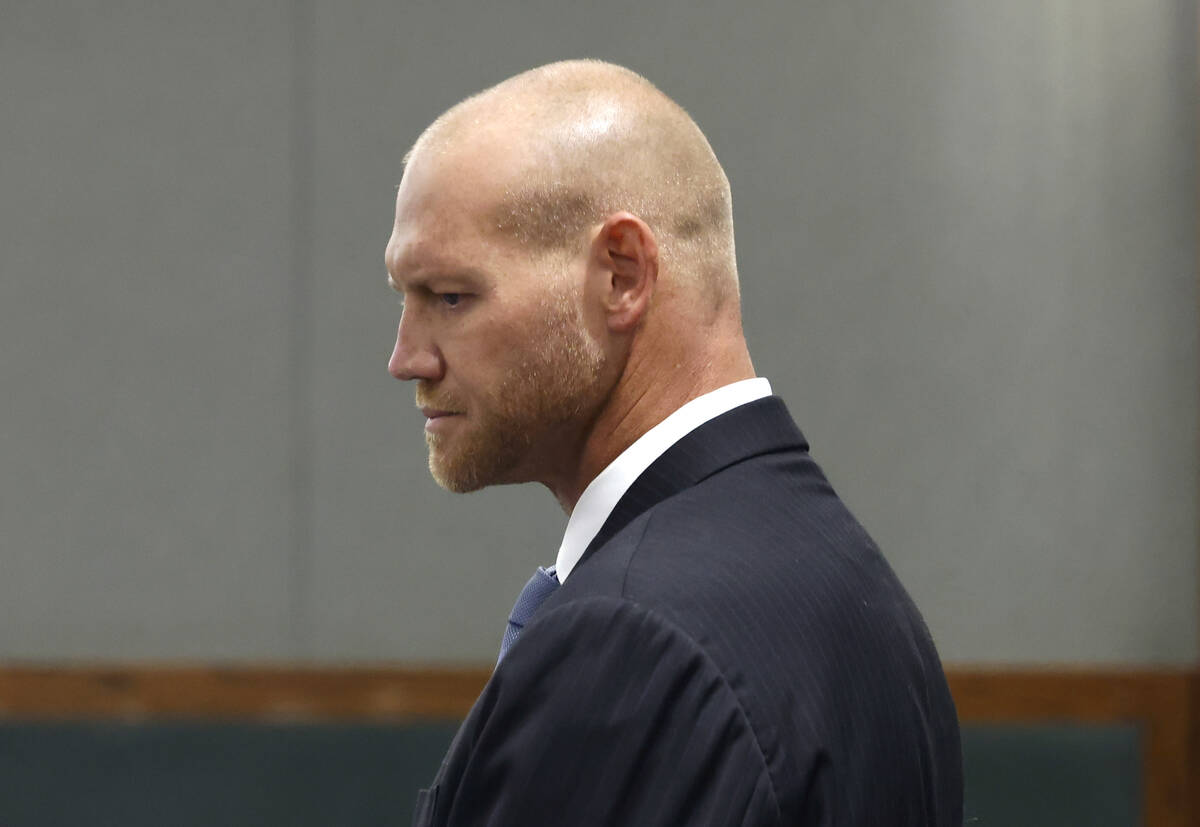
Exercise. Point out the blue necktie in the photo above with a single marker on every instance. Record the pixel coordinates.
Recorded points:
(540, 586)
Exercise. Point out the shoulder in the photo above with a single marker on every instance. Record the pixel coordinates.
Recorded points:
(762, 573)
(624, 715)
(768, 523)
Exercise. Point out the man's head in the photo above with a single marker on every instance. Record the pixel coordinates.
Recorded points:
(564, 245)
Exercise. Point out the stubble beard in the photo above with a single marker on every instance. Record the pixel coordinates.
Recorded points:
(554, 385)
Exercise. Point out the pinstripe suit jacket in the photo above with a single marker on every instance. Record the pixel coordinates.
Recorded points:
(732, 650)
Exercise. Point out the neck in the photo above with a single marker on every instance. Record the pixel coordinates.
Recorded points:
(646, 394)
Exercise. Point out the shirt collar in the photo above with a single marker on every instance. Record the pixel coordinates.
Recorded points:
(603, 492)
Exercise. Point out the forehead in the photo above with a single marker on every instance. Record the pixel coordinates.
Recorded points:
(445, 204)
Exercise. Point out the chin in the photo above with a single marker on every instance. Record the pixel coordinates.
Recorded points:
(462, 476)
(456, 484)
(464, 480)
(472, 461)
(453, 476)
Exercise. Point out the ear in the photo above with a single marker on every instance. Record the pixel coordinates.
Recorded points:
(625, 259)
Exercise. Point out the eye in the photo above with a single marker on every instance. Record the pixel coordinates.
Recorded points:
(450, 299)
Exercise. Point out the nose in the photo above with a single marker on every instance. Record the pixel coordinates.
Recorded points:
(413, 358)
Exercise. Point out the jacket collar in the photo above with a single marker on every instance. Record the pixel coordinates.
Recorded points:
(760, 427)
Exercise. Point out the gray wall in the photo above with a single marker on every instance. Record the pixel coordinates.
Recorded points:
(967, 238)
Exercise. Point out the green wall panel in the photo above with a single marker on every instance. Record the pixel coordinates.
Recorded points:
(235, 774)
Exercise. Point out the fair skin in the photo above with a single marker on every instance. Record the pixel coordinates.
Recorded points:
(548, 366)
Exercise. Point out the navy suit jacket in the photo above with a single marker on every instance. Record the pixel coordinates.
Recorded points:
(732, 649)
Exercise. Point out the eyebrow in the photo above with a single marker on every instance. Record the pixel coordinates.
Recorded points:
(466, 274)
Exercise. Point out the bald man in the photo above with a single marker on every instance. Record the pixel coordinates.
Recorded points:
(718, 642)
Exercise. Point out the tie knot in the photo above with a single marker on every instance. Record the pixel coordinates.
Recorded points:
(540, 586)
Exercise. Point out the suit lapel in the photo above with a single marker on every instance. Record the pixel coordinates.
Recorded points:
(760, 427)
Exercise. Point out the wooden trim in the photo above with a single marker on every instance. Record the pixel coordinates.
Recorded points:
(1164, 703)
(231, 692)
(982, 694)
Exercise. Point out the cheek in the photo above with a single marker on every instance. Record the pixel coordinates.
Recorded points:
(480, 355)
(595, 324)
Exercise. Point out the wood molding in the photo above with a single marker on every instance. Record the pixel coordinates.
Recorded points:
(234, 692)
(150, 690)
(1164, 703)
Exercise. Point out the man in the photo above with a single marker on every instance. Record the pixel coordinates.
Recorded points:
(727, 645)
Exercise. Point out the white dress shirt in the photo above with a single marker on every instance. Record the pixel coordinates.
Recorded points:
(601, 496)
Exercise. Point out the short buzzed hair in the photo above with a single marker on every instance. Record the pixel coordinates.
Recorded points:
(598, 139)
